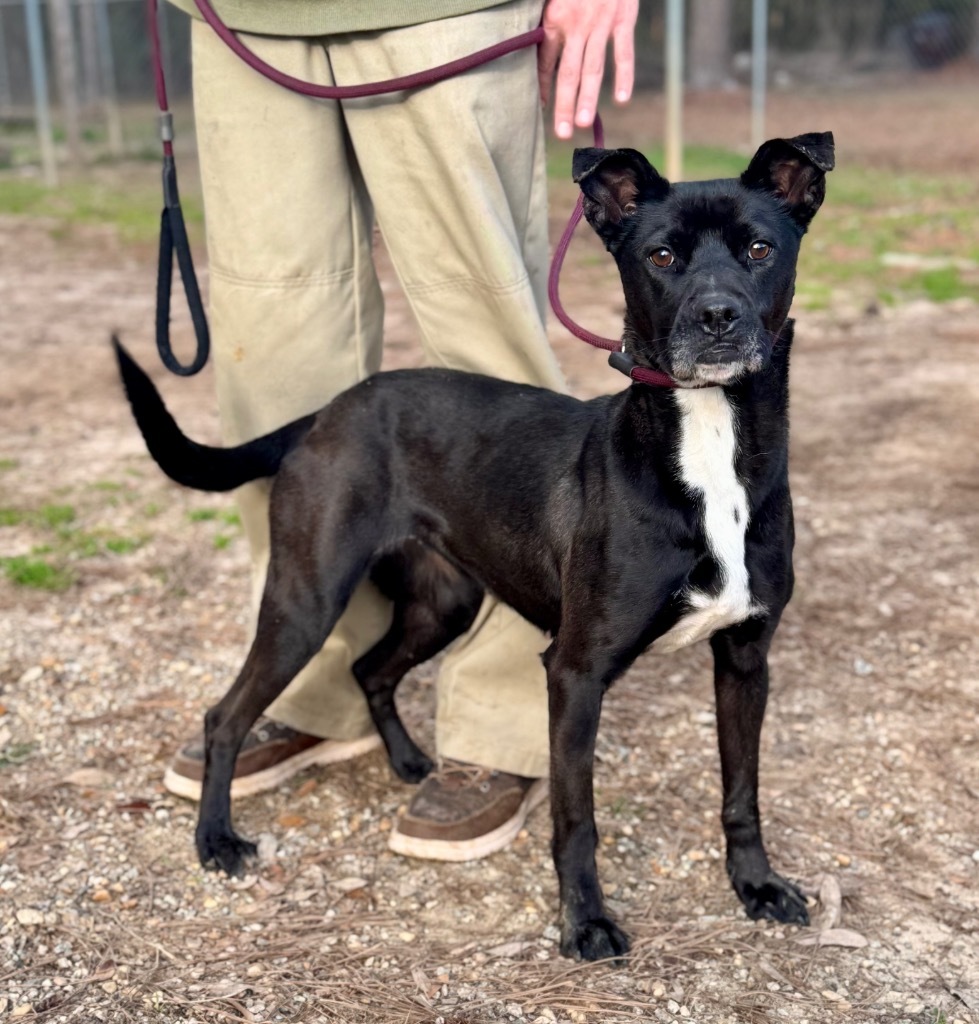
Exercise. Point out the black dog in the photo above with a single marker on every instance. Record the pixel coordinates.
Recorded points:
(653, 517)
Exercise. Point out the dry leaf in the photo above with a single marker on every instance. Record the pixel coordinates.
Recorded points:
(134, 807)
(835, 937)
(93, 778)
(271, 887)
(509, 949)
(289, 820)
(830, 902)
(306, 788)
(348, 884)
(229, 988)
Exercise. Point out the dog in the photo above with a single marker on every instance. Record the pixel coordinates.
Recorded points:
(650, 518)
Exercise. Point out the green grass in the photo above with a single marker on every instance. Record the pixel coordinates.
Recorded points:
(56, 515)
(202, 515)
(133, 212)
(48, 566)
(123, 545)
(867, 213)
(6, 464)
(25, 571)
(16, 753)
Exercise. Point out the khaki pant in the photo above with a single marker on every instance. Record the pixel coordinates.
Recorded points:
(455, 176)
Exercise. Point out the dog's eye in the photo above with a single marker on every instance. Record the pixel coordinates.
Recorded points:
(661, 257)
(759, 250)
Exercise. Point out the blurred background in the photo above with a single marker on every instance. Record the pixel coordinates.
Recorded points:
(898, 81)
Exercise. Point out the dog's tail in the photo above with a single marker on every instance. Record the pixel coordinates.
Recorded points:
(197, 465)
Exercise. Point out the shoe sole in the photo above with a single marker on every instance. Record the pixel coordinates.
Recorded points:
(327, 752)
(471, 849)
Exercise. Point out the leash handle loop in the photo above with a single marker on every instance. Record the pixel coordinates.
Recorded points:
(174, 241)
(173, 232)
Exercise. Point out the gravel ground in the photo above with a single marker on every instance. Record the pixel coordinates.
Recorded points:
(870, 788)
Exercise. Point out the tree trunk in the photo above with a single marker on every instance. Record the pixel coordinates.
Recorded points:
(66, 73)
(710, 43)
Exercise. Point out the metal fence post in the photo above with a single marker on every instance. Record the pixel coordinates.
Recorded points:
(759, 69)
(673, 142)
(39, 84)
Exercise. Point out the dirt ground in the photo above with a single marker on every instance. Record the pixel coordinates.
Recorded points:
(870, 770)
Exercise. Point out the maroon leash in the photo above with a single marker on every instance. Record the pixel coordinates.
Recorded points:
(173, 233)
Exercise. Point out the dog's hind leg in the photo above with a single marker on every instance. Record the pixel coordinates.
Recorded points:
(741, 690)
(433, 604)
(305, 594)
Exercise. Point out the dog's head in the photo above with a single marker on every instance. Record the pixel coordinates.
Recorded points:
(708, 267)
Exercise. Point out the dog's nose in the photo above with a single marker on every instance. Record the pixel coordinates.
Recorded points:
(718, 316)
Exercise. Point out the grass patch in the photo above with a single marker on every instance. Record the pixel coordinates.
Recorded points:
(25, 571)
(16, 753)
(6, 464)
(867, 213)
(202, 515)
(124, 545)
(48, 565)
(945, 284)
(56, 515)
(133, 212)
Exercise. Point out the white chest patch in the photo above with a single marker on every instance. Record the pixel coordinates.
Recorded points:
(707, 448)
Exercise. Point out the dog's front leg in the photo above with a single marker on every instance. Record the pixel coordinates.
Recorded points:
(741, 690)
(575, 704)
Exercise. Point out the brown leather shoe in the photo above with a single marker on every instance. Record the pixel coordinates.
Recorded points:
(463, 812)
(271, 754)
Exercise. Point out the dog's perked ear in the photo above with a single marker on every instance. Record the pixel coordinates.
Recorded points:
(613, 181)
(795, 171)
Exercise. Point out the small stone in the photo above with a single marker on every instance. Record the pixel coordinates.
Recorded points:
(659, 991)
(31, 676)
(21, 1011)
(30, 916)
(406, 936)
(861, 667)
(101, 896)
(843, 859)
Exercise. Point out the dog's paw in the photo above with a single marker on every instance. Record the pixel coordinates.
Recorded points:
(774, 898)
(596, 939)
(412, 768)
(225, 852)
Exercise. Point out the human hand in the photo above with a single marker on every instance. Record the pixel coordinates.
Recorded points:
(578, 31)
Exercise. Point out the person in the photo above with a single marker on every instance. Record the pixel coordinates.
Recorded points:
(454, 175)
